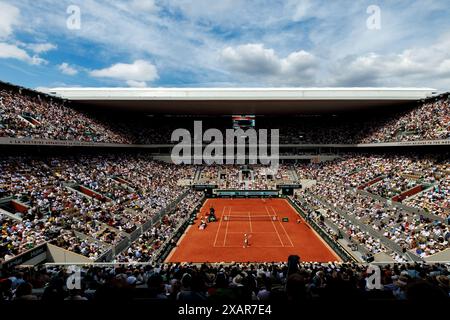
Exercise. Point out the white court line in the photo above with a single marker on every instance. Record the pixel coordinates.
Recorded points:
(242, 232)
(253, 246)
(281, 224)
(220, 223)
(226, 229)
(250, 222)
(254, 213)
(279, 238)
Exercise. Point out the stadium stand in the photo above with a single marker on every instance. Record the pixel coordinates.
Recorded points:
(148, 245)
(132, 207)
(242, 283)
(338, 182)
(29, 114)
(104, 210)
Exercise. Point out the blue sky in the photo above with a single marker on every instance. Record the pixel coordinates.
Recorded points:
(229, 43)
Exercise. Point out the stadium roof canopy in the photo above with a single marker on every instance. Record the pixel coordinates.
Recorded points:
(243, 100)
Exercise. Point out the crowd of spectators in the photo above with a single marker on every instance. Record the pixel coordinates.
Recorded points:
(318, 212)
(134, 189)
(209, 174)
(404, 174)
(18, 237)
(392, 185)
(248, 177)
(409, 230)
(434, 200)
(86, 247)
(145, 249)
(128, 190)
(429, 121)
(337, 184)
(28, 114)
(390, 174)
(137, 188)
(239, 282)
(31, 115)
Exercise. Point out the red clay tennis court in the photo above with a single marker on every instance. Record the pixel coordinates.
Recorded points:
(270, 239)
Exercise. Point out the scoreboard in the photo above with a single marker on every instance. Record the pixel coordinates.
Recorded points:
(243, 121)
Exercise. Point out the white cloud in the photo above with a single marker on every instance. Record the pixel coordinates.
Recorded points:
(13, 49)
(444, 67)
(298, 62)
(303, 10)
(251, 59)
(9, 16)
(67, 69)
(41, 47)
(136, 84)
(144, 5)
(142, 8)
(136, 73)
(254, 60)
(427, 66)
(289, 42)
(231, 14)
(10, 51)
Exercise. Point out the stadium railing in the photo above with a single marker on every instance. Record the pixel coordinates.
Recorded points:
(108, 255)
(167, 247)
(25, 256)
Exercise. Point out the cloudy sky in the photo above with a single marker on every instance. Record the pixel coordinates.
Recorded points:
(230, 43)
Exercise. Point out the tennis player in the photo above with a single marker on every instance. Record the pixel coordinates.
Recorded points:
(246, 244)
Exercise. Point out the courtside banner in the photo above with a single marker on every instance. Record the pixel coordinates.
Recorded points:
(72, 143)
(246, 193)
